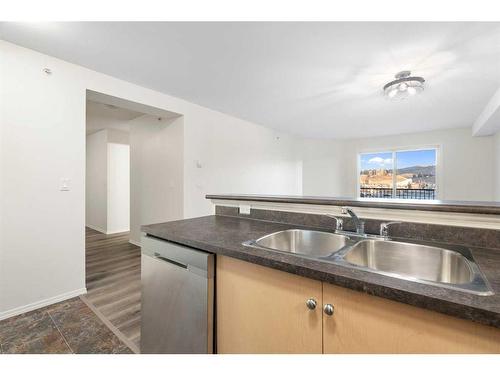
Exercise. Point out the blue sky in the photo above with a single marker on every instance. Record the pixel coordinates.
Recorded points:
(405, 159)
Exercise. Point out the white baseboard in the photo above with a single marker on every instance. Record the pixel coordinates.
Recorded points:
(99, 229)
(42, 303)
(118, 231)
(96, 228)
(136, 243)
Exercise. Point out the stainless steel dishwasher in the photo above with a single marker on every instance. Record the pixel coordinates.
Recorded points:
(177, 298)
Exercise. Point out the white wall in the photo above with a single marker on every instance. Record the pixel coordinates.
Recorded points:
(323, 169)
(43, 139)
(42, 229)
(233, 156)
(96, 190)
(144, 167)
(466, 171)
(157, 168)
(107, 190)
(118, 202)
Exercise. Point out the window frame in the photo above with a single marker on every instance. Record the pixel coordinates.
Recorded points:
(393, 151)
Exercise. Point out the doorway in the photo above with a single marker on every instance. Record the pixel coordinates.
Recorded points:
(134, 172)
(112, 263)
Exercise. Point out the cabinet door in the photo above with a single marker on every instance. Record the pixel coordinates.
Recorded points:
(261, 310)
(366, 324)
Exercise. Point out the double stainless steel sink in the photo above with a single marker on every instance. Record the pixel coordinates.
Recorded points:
(448, 266)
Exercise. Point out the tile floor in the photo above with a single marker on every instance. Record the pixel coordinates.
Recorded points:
(66, 327)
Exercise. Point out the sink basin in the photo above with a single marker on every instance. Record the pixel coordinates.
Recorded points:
(304, 242)
(418, 261)
(423, 263)
(449, 266)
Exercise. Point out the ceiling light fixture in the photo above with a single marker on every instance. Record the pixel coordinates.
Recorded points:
(404, 86)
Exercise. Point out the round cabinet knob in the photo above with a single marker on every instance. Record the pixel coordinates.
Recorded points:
(328, 309)
(311, 303)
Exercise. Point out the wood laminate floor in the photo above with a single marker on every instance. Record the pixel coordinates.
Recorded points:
(113, 274)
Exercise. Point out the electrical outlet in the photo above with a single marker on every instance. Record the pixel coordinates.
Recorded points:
(245, 209)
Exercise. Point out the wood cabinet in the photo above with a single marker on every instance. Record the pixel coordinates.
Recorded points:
(367, 324)
(262, 310)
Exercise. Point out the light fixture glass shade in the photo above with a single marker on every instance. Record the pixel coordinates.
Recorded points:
(403, 86)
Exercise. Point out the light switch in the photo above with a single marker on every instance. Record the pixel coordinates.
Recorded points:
(64, 184)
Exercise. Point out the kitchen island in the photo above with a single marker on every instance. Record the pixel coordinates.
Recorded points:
(264, 297)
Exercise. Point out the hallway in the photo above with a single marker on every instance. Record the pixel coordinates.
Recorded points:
(113, 272)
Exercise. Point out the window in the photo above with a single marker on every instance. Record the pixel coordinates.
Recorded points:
(400, 174)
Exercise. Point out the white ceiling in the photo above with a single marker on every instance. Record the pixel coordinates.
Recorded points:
(312, 79)
(101, 116)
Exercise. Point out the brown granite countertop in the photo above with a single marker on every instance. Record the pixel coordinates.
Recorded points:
(402, 204)
(224, 235)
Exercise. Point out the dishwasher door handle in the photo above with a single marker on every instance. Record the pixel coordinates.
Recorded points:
(175, 263)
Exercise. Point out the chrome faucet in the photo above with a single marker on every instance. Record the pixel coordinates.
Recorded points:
(384, 228)
(360, 224)
(339, 223)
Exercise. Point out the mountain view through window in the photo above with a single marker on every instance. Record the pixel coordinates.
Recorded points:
(408, 174)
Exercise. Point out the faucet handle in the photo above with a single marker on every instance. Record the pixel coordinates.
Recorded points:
(343, 210)
(339, 223)
(384, 227)
(361, 227)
